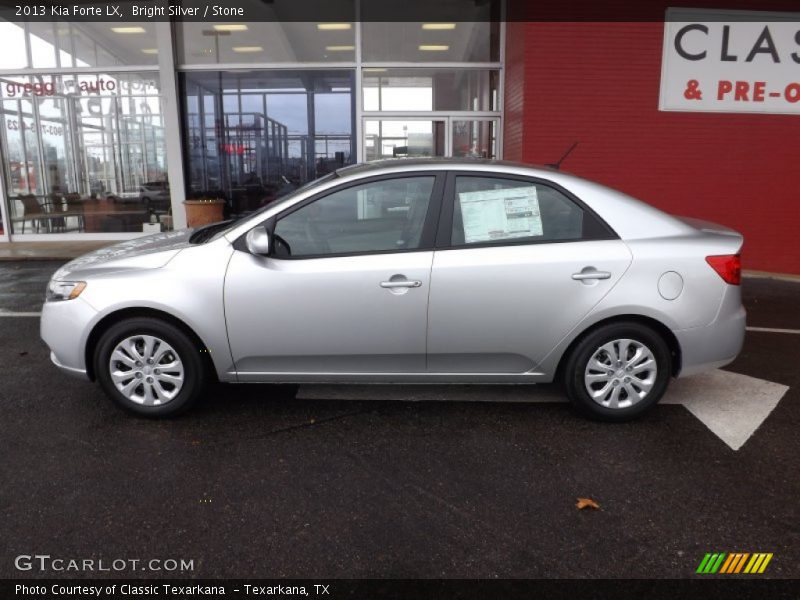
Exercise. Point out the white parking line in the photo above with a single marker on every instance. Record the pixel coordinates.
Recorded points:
(774, 330)
(20, 314)
(731, 405)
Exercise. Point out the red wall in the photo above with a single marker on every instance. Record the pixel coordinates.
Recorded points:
(598, 84)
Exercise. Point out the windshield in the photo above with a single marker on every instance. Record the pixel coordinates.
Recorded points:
(207, 232)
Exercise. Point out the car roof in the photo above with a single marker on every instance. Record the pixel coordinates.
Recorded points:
(392, 164)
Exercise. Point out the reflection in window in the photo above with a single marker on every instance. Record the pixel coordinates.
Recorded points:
(277, 38)
(84, 153)
(380, 216)
(403, 138)
(84, 44)
(477, 40)
(430, 89)
(474, 139)
(252, 137)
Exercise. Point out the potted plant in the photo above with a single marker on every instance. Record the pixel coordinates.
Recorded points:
(202, 211)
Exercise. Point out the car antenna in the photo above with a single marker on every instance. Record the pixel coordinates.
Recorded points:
(557, 165)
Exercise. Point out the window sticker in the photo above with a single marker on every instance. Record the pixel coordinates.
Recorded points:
(500, 214)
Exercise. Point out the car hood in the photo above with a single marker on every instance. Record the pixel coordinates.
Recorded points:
(149, 252)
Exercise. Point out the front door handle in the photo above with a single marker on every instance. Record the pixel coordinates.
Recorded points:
(583, 275)
(401, 284)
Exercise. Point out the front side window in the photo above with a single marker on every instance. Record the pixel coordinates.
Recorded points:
(495, 210)
(379, 216)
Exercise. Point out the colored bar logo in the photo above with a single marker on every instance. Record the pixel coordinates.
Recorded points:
(734, 563)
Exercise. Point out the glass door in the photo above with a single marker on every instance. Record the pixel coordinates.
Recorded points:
(404, 138)
(408, 137)
(473, 138)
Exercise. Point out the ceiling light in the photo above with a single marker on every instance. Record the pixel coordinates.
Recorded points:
(149, 50)
(128, 30)
(339, 48)
(439, 26)
(333, 26)
(230, 27)
(245, 49)
(434, 47)
(373, 70)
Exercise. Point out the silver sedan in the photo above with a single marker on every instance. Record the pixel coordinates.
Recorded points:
(410, 271)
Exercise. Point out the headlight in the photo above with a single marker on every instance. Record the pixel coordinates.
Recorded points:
(64, 290)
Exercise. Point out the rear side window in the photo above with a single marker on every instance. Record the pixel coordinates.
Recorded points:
(497, 210)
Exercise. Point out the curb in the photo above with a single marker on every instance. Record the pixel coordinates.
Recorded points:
(767, 275)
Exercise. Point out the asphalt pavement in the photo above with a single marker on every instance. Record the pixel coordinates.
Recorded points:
(252, 486)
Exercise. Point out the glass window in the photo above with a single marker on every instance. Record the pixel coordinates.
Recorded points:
(477, 41)
(403, 138)
(84, 153)
(380, 216)
(430, 89)
(274, 41)
(474, 138)
(495, 210)
(13, 36)
(257, 135)
(85, 44)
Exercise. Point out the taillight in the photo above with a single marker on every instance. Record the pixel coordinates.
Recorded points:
(728, 266)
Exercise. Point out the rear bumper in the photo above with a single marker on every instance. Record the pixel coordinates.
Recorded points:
(717, 344)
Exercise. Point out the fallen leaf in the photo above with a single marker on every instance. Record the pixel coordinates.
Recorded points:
(587, 503)
(23, 353)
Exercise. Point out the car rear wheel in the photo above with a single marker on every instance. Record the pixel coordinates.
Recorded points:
(149, 367)
(618, 371)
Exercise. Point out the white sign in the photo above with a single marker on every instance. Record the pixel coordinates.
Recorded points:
(747, 63)
(500, 214)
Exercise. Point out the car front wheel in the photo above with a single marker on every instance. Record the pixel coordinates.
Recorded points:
(618, 371)
(149, 367)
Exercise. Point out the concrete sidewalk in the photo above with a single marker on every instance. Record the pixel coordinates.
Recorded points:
(49, 250)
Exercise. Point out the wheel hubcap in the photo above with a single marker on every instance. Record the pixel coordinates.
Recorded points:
(146, 370)
(620, 373)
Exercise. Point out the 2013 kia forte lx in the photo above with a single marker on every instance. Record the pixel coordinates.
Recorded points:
(421, 271)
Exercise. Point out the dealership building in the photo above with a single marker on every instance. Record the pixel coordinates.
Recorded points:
(107, 127)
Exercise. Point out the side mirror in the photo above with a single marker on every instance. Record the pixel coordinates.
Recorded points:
(257, 241)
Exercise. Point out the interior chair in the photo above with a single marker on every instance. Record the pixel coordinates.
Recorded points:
(32, 211)
(75, 209)
(55, 207)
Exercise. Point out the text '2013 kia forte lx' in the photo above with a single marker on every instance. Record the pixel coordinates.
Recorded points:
(410, 271)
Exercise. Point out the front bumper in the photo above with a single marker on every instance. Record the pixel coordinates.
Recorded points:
(74, 372)
(65, 328)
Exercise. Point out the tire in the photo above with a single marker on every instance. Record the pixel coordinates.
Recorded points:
(627, 346)
(172, 390)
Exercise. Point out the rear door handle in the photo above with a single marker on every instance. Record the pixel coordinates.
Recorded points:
(401, 284)
(583, 275)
